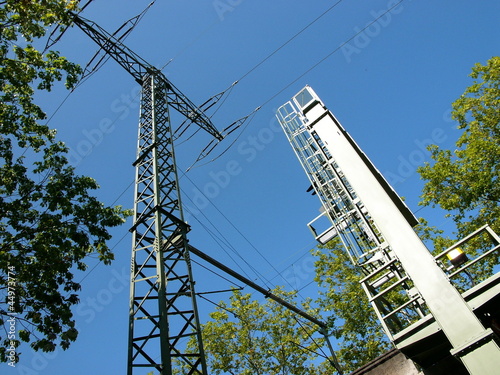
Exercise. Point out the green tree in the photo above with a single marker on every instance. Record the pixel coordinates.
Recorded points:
(49, 219)
(352, 320)
(465, 181)
(248, 337)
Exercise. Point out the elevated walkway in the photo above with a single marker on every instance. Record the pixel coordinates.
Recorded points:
(425, 343)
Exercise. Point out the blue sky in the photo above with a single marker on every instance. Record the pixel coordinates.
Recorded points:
(391, 87)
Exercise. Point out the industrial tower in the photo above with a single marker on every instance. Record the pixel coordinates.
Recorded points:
(413, 293)
(163, 311)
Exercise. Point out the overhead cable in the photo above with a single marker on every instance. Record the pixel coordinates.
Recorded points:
(289, 40)
(209, 103)
(132, 22)
(225, 132)
(236, 124)
(120, 35)
(58, 31)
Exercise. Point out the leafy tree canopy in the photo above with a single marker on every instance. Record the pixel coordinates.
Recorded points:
(352, 320)
(465, 181)
(248, 337)
(49, 219)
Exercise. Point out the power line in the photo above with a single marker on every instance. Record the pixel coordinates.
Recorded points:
(249, 72)
(228, 245)
(332, 52)
(134, 21)
(312, 338)
(218, 305)
(208, 149)
(266, 102)
(215, 273)
(271, 98)
(240, 233)
(290, 39)
(309, 69)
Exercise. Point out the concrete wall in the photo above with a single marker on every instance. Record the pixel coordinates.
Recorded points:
(391, 363)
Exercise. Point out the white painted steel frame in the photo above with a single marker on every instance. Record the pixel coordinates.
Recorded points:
(471, 342)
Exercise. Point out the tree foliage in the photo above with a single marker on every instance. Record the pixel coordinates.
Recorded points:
(465, 181)
(352, 320)
(246, 337)
(50, 221)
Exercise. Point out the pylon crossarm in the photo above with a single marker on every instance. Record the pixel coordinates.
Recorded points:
(129, 60)
(141, 70)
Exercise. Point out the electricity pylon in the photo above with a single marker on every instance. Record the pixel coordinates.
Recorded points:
(163, 311)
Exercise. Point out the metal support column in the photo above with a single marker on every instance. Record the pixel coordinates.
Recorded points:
(163, 313)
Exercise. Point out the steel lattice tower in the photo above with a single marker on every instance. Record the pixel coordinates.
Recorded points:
(163, 311)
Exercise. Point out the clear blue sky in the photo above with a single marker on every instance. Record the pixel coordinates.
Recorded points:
(391, 88)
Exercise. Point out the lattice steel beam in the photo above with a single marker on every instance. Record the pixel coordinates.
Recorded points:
(163, 313)
(140, 68)
(163, 310)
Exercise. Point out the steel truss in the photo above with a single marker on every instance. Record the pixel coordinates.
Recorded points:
(423, 313)
(163, 310)
(161, 319)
